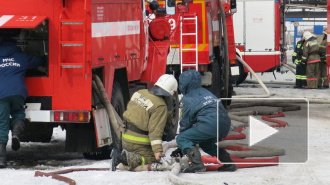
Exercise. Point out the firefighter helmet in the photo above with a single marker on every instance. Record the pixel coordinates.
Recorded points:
(165, 85)
(308, 35)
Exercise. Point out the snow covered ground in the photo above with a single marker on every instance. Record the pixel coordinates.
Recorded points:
(315, 171)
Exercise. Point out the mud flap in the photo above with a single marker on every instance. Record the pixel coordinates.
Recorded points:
(102, 127)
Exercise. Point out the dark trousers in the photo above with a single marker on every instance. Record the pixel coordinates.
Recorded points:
(301, 75)
(10, 106)
(189, 138)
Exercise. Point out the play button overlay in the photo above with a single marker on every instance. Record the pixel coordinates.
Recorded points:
(259, 131)
(267, 131)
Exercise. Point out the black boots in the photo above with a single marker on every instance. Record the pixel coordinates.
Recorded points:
(3, 163)
(117, 158)
(18, 127)
(197, 164)
(225, 158)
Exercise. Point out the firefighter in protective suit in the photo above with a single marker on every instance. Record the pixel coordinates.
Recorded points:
(300, 67)
(201, 124)
(312, 58)
(145, 118)
(323, 83)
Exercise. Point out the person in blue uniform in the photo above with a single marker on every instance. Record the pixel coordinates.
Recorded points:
(200, 124)
(13, 91)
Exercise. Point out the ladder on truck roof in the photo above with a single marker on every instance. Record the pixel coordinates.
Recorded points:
(70, 44)
(185, 21)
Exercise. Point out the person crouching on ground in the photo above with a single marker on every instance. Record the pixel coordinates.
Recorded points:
(198, 124)
(145, 118)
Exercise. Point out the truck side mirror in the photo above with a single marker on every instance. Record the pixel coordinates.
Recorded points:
(170, 7)
(183, 7)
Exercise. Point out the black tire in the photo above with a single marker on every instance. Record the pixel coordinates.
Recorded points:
(215, 87)
(172, 127)
(117, 102)
(242, 74)
(37, 132)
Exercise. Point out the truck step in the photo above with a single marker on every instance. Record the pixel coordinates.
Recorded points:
(72, 22)
(71, 43)
(189, 34)
(71, 65)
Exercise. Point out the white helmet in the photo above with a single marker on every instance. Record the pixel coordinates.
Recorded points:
(168, 83)
(308, 35)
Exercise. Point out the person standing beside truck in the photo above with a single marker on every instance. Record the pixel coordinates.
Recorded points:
(204, 121)
(13, 91)
(145, 119)
(300, 66)
(312, 58)
(322, 82)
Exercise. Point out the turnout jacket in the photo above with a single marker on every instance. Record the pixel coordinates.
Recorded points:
(13, 65)
(199, 107)
(311, 51)
(323, 49)
(148, 113)
(298, 52)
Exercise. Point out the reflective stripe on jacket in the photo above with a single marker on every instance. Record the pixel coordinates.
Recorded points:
(298, 52)
(148, 113)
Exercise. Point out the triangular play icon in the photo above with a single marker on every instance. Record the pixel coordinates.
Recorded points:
(259, 131)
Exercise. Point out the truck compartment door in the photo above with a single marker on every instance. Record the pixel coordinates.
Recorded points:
(260, 26)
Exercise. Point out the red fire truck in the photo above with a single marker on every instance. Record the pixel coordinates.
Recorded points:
(259, 35)
(82, 39)
(202, 38)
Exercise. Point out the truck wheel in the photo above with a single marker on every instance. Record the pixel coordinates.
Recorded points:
(37, 132)
(117, 99)
(117, 102)
(172, 126)
(242, 74)
(215, 87)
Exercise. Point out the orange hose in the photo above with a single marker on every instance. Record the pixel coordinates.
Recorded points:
(279, 122)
